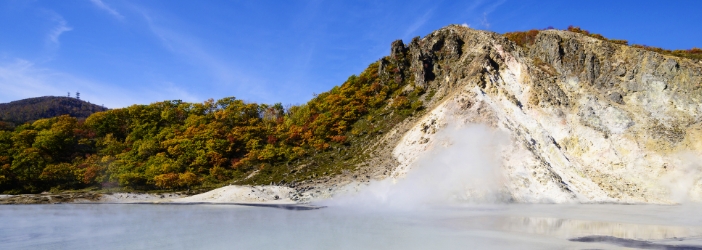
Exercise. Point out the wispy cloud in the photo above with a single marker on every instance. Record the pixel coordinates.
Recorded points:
(102, 5)
(474, 6)
(225, 73)
(489, 9)
(479, 11)
(417, 24)
(170, 90)
(484, 22)
(20, 78)
(189, 47)
(60, 28)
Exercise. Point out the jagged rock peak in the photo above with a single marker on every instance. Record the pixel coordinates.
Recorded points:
(589, 120)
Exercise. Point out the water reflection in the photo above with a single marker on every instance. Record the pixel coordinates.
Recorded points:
(569, 228)
(634, 226)
(640, 244)
(235, 227)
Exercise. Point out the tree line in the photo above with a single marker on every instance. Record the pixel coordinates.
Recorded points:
(180, 145)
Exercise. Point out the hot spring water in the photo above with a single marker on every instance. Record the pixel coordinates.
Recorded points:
(458, 227)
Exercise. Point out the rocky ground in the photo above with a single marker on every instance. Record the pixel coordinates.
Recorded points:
(228, 194)
(49, 198)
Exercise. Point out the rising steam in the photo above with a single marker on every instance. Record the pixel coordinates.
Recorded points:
(683, 181)
(461, 166)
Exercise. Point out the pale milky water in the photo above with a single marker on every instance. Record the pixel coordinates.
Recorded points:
(113, 226)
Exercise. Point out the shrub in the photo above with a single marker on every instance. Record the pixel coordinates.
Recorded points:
(219, 173)
(167, 181)
(618, 41)
(188, 179)
(131, 179)
(522, 38)
(401, 102)
(338, 138)
(61, 174)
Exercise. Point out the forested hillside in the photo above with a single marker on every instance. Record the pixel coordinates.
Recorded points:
(32, 109)
(178, 145)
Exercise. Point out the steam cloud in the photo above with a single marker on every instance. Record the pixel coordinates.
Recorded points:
(684, 178)
(462, 167)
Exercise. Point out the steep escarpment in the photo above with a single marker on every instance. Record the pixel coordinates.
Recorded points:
(589, 120)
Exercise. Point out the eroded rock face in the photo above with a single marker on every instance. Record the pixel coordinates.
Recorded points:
(589, 121)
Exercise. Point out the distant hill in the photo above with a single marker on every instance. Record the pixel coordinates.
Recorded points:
(31, 109)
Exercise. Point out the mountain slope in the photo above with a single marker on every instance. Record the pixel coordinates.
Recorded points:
(589, 120)
(32, 109)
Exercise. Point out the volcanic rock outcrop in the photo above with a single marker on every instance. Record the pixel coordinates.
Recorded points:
(589, 120)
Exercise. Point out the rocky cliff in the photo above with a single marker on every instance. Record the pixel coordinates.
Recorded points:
(588, 120)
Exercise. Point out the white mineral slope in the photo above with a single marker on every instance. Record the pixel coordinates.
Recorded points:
(588, 121)
(245, 194)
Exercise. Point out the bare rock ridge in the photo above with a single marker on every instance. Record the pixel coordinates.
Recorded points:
(589, 120)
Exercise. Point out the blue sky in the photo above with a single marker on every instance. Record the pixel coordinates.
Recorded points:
(123, 52)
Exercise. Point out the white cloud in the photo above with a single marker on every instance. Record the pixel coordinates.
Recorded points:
(61, 27)
(102, 5)
(20, 79)
(489, 9)
(484, 22)
(224, 73)
(483, 7)
(171, 90)
(189, 47)
(417, 24)
(474, 6)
